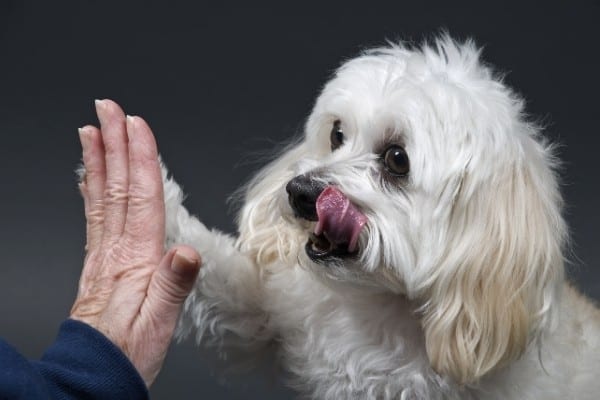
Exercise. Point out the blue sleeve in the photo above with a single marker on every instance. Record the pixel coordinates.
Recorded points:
(81, 364)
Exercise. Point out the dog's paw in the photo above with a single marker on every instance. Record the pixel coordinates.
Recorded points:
(173, 207)
(80, 172)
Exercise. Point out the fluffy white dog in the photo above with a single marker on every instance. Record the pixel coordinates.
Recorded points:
(410, 246)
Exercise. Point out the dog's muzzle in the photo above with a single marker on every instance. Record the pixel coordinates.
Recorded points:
(338, 221)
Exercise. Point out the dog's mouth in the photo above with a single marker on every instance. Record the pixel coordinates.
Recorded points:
(339, 223)
(319, 248)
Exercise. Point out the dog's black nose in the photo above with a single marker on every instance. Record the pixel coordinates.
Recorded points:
(303, 191)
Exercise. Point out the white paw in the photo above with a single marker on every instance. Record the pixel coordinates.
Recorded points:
(173, 208)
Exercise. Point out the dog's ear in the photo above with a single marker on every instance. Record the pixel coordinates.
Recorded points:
(264, 235)
(492, 293)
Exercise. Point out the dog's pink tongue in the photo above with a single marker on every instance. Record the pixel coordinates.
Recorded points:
(338, 218)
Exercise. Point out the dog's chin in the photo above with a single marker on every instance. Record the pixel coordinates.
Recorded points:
(340, 270)
(320, 250)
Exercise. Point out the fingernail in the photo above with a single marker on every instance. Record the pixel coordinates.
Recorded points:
(99, 103)
(184, 264)
(84, 137)
(130, 125)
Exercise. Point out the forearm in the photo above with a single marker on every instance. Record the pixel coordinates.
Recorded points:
(82, 363)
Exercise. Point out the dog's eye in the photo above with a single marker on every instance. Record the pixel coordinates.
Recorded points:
(337, 135)
(395, 160)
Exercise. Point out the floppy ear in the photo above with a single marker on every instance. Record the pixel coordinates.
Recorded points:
(264, 235)
(493, 291)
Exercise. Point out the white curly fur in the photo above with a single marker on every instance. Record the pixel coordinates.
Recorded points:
(458, 291)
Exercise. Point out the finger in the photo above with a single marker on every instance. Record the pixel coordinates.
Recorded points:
(114, 136)
(170, 285)
(147, 332)
(145, 221)
(92, 187)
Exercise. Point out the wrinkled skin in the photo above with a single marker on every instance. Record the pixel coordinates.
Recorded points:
(129, 290)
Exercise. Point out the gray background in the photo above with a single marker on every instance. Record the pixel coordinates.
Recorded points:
(220, 85)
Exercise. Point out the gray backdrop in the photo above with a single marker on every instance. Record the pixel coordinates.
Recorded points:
(220, 85)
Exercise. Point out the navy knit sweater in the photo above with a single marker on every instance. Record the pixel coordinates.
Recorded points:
(81, 364)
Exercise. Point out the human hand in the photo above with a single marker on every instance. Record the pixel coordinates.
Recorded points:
(129, 289)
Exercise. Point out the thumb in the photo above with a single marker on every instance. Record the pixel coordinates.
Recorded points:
(172, 282)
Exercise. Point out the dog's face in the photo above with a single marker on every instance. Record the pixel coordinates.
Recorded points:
(418, 175)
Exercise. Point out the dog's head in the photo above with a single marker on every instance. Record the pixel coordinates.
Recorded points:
(418, 174)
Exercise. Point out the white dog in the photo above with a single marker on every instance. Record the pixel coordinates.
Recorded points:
(410, 246)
